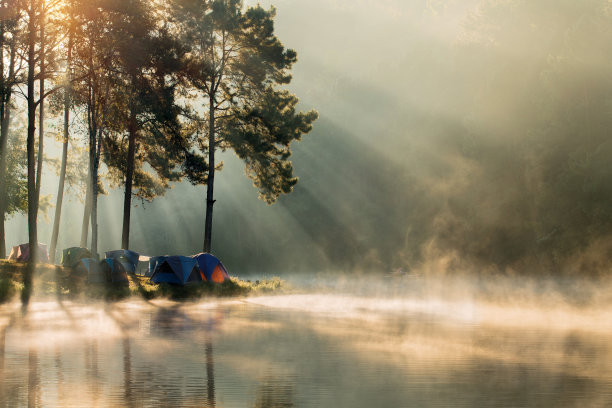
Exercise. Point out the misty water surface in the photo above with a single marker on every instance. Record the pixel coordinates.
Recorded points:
(324, 349)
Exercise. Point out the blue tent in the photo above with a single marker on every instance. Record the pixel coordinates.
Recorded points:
(72, 256)
(115, 269)
(127, 258)
(211, 268)
(178, 270)
(95, 273)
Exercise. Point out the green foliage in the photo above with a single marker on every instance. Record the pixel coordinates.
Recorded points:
(237, 62)
(16, 180)
(126, 63)
(145, 68)
(229, 288)
(261, 134)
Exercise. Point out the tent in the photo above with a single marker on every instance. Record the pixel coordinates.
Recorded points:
(211, 268)
(114, 269)
(21, 253)
(178, 270)
(127, 258)
(72, 256)
(93, 270)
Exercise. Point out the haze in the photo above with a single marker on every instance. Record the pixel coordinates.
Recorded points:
(453, 135)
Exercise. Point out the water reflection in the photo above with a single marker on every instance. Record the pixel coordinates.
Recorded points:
(59, 374)
(2, 364)
(33, 379)
(127, 373)
(274, 392)
(280, 353)
(210, 372)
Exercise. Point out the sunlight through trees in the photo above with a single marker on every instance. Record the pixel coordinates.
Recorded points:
(154, 89)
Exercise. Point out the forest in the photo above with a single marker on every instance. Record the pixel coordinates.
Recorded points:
(152, 89)
(453, 136)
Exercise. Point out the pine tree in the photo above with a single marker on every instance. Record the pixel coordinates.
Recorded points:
(237, 65)
(67, 86)
(148, 63)
(93, 89)
(10, 19)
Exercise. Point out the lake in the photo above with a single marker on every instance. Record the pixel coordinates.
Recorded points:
(305, 350)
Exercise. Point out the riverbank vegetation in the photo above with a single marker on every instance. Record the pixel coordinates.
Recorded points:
(66, 283)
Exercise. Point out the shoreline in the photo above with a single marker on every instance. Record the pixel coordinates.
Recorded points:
(67, 283)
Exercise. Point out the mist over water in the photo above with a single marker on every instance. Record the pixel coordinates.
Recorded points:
(448, 243)
(387, 342)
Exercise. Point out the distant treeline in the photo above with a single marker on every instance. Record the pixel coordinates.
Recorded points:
(527, 176)
(490, 153)
(512, 170)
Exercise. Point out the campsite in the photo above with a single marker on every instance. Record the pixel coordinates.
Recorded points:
(315, 203)
(116, 277)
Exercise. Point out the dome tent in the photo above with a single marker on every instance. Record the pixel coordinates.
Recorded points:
(128, 259)
(21, 253)
(177, 270)
(115, 269)
(93, 270)
(211, 268)
(72, 256)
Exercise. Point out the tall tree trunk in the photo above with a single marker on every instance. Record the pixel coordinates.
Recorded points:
(60, 187)
(86, 211)
(3, 133)
(129, 175)
(94, 192)
(5, 120)
(211, 175)
(94, 218)
(41, 112)
(96, 131)
(2, 235)
(93, 171)
(5, 116)
(32, 205)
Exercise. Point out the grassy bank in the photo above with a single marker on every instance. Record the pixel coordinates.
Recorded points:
(54, 280)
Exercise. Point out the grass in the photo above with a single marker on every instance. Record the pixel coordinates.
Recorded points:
(64, 282)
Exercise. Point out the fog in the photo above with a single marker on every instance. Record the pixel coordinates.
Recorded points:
(321, 349)
(453, 136)
(453, 196)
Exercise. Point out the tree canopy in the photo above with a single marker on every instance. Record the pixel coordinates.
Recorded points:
(237, 64)
(157, 88)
